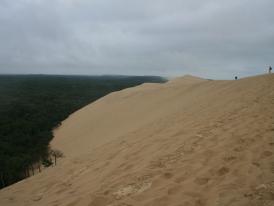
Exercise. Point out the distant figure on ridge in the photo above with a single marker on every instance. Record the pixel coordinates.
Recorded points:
(270, 69)
(236, 77)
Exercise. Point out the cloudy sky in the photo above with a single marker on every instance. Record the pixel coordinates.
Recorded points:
(209, 38)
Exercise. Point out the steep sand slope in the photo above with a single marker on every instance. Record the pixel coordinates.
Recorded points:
(187, 142)
(120, 113)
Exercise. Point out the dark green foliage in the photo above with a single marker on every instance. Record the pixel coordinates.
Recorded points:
(47, 162)
(32, 105)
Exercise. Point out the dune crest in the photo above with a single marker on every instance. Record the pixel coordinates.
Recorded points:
(189, 141)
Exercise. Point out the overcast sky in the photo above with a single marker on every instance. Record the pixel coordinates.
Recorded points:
(209, 38)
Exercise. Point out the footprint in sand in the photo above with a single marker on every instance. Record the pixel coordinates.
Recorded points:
(201, 180)
(126, 166)
(239, 149)
(11, 198)
(157, 164)
(229, 158)
(37, 197)
(222, 171)
(266, 154)
(257, 164)
(167, 175)
(131, 189)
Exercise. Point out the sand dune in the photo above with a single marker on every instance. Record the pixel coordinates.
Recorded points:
(188, 142)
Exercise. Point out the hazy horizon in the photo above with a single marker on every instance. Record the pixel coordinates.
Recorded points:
(130, 75)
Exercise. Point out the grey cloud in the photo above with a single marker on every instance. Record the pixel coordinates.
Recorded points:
(211, 38)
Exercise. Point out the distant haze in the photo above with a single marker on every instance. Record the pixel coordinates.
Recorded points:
(209, 38)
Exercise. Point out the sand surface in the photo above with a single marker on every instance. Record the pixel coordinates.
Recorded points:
(188, 142)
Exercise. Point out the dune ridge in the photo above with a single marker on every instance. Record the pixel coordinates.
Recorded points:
(188, 142)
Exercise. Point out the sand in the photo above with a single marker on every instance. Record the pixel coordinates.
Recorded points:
(188, 142)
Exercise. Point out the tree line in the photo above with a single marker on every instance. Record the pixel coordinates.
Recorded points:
(32, 105)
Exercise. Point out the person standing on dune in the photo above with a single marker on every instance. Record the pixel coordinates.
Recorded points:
(270, 70)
